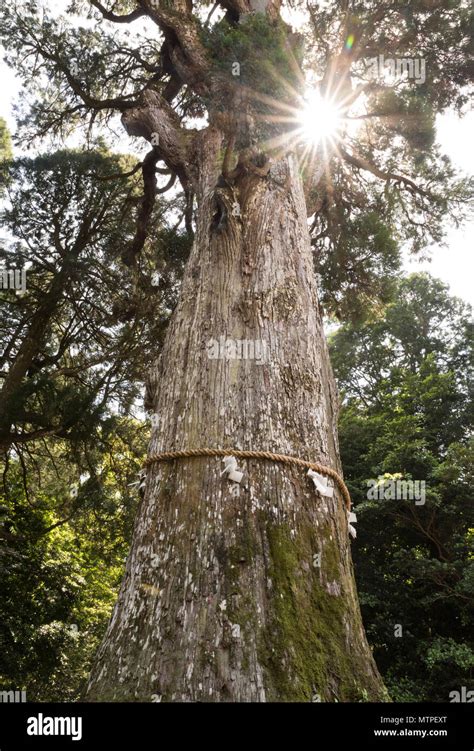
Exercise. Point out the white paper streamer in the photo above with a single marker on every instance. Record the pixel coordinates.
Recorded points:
(321, 483)
(230, 469)
(351, 519)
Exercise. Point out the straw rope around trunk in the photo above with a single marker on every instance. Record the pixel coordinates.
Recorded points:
(270, 456)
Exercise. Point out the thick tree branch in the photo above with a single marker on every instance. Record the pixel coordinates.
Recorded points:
(243, 7)
(181, 28)
(361, 163)
(109, 16)
(14, 438)
(119, 103)
(146, 208)
(118, 175)
(156, 121)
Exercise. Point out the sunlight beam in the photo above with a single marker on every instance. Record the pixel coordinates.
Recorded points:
(321, 120)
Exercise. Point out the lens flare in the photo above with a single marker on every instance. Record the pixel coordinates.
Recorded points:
(321, 120)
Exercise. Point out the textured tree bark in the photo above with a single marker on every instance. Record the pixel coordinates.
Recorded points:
(241, 592)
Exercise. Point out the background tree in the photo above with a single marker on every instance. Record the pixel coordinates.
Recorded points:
(406, 378)
(5, 141)
(73, 346)
(220, 598)
(65, 532)
(78, 338)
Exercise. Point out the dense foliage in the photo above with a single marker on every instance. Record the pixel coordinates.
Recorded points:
(407, 382)
(75, 346)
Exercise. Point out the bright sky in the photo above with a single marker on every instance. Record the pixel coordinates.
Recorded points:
(453, 263)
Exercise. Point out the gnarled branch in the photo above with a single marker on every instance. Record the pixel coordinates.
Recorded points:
(114, 17)
(362, 163)
(156, 121)
(150, 192)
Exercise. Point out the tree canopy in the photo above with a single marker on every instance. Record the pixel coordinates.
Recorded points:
(168, 69)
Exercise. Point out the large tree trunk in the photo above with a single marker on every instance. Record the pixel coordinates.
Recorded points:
(223, 598)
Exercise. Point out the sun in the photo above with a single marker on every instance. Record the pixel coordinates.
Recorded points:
(321, 120)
